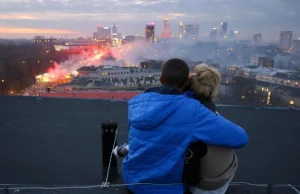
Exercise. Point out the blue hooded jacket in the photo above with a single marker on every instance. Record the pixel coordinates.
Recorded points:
(163, 122)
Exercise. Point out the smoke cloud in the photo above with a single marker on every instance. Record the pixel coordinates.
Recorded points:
(133, 53)
(130, 54)
(19, 64)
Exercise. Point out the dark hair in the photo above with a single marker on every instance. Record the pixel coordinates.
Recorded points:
(175, 72)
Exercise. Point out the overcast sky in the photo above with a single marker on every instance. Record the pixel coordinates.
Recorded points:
(26, 18)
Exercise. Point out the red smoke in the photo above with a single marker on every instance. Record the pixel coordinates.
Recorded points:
(57, 72)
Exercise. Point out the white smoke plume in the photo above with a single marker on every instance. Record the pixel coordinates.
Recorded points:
(132, 53)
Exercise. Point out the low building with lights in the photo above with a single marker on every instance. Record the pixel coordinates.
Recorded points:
(284, 79)
(109, 72)
(275, 76)
(46, 44)
(282, 61)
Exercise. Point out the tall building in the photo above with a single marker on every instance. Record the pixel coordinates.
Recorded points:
(285, 40)
(236, 33)
(181, 30)
(191, 31)
(150, 32)
(213, 34)
(295, 48)
(119, 35)
(102, 32)
(233, 34)
(257, 39)
(129, 38)
(114, 31)
(166, 28)
(223, 31)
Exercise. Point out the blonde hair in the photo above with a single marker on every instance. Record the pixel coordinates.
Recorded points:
(205, 82)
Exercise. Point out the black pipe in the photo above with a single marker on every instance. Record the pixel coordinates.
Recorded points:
(6, 189)
(109, 130)
(270, 188)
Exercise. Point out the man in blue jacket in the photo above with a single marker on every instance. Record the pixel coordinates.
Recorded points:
(164, 121)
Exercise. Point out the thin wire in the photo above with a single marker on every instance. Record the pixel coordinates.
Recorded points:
(54, 188)
(162, 184)
(246, 183)
(107, 174)
(156, 184)
(296, 190)
(7, 184)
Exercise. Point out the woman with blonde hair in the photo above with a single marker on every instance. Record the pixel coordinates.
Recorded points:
(216, 165)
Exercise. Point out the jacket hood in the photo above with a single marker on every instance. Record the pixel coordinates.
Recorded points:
(151, 108)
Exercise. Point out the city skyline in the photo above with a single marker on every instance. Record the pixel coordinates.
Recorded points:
(25, 18)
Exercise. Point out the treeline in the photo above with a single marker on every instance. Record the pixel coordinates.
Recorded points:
(19, 65)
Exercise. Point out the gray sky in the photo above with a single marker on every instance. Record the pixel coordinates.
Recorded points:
(26, 18)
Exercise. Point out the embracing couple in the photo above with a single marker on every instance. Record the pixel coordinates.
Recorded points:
(177, 136)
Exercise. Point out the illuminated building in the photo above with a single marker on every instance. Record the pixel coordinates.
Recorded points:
(103, 36)
(114, 31)
(295, 48)
(265, 62)
(181, 29)
(150, 32)
(166, 28)
(45, 43)
(279, 79)
(261, 60)
(285, 40)
(223, 31)
(191, 31)
(236, 34)
(114, 36)
(233, 34)
(102, 32)
(120, 35)
(213, 34)
(78, 45)
(129, 38)
(257, 39)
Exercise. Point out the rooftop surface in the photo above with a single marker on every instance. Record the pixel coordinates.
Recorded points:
(88, 68)
(57, 142)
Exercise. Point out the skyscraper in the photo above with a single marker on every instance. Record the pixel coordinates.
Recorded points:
(181, 30)
(150, 32)
(233, 34)
(166, 28)
(213, 34)
(191, 31)
(257, 39)
(295, 48)
(223, 31)
(102, 32)
(99, 28)
(285, 39)
(114, 31)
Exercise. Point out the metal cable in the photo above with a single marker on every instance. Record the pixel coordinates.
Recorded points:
(120, 185)
(111, 155)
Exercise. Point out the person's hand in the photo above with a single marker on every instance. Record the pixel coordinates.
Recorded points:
(121, 150)
(116, 152)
